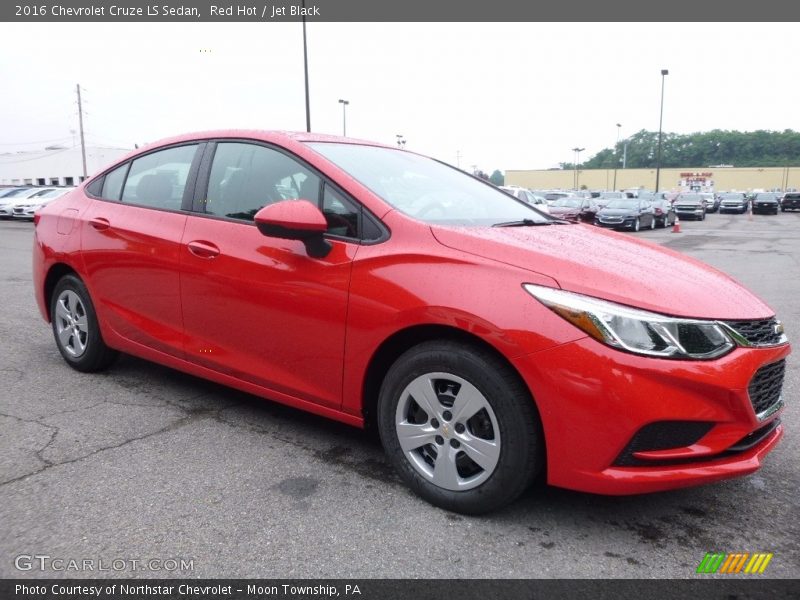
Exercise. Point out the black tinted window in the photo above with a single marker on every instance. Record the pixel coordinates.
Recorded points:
(246, 177)
(158, 179)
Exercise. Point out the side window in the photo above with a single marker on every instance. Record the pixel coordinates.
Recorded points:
(158, 179)
(112, 184)
(246, 177)
(341, 214)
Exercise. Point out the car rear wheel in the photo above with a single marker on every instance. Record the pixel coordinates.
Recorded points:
(75, 327)
(460, 427)
(636, 224)
(653, 223)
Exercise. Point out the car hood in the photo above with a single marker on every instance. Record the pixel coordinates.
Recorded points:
(609, 265)
(617, 212)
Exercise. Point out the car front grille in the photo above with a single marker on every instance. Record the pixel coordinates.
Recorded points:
(765, 389)
(765, 332)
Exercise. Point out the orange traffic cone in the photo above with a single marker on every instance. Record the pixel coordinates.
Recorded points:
(676, 226)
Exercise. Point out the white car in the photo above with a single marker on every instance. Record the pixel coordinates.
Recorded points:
(8, 201)
(526, 196)
(26, 208)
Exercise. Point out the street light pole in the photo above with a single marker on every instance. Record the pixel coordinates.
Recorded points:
(664, 73)
(577, 152)
(616, 160)
(344, 104)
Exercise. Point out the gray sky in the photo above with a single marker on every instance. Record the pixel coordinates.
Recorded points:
(506, 96)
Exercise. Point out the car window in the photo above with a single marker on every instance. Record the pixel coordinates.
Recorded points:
(340, 213)
(158, 179)
(246, 177)
(112, 184)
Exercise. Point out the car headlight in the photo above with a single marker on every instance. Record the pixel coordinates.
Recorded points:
(634, 330)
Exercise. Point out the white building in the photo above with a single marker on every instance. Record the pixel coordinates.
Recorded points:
(55, 165)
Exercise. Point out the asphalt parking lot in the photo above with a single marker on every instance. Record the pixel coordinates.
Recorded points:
(143, 462)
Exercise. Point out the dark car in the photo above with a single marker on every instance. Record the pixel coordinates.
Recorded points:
(733, 202)
(626, 213)
(690, 206)
(575, 209)
(766, 203)
(664, 213)
(790, 201)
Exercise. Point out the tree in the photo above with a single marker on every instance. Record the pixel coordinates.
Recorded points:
(702, 149)
(497, 178)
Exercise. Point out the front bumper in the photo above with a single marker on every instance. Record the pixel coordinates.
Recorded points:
(626, 222)
(591, 413)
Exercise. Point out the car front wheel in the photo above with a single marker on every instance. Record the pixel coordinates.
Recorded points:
(75, 327)
(460, 427)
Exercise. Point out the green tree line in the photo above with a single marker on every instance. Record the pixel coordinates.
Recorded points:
(703, 149)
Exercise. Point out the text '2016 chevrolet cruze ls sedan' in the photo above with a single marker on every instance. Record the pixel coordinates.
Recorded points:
(487, 341)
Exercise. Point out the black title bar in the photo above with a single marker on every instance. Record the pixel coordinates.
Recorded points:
(677, 11)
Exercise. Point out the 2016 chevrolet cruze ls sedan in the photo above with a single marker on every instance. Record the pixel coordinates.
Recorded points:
(486, 341)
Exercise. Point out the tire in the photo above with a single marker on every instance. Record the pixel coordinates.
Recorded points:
(636, 224)
(432, 447)
(76, 328)
(703, 218)
(653, 223)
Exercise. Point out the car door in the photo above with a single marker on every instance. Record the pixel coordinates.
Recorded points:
(130, 242)
(259, 308)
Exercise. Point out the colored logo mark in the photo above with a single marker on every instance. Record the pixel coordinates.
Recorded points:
(741, 562)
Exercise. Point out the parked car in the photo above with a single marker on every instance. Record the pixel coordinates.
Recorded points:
(790, 201)
(527, 196)
(711, 201)
(627, 213)
(11, 191)
(733, 202)
(766, 203)
(485, 340)
(551, 197)
(605, 197)
(26, 208)
(690, 206)
(8, 202)
(575, 209)
(664, 213)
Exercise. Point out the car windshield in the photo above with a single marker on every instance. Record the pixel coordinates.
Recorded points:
(428, 190)
(567, 202)
(766, 196)
(605, 195)
(620, 203)
(732, 196)
(19, 192)
(689, 198)
(51, 194)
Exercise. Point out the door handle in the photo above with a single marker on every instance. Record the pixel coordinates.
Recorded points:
(99, 223)
(203, 249)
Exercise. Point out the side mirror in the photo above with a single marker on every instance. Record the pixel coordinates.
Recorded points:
(295, 220)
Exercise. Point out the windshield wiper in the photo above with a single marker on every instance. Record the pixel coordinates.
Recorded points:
(523, 223)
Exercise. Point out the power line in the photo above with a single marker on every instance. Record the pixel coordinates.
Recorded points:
(36, 142)
(11, 162)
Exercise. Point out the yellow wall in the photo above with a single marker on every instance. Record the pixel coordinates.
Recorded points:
(748, 178)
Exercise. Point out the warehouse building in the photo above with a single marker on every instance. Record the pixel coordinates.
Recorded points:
(55, 165)
(705, 179)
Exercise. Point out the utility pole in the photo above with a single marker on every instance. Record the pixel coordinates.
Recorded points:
(80, 122)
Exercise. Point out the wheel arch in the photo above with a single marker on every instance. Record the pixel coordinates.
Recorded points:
(401, 341)
(54, 274)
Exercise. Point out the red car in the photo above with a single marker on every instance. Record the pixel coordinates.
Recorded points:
(485, 340)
